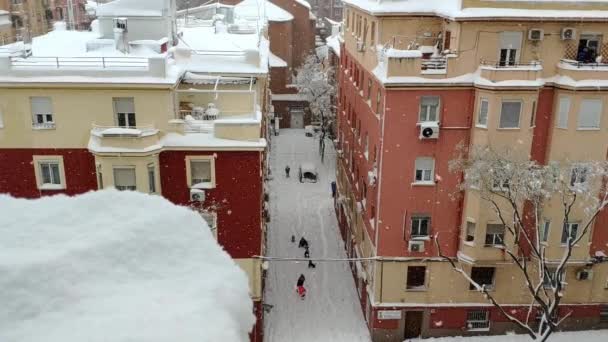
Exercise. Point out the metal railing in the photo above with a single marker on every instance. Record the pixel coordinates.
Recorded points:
(139, 63)
(434, 63)
(44, 125)
(578, 64)
(508, 64)
(196, 114)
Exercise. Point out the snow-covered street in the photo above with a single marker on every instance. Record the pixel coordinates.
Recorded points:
(330, 311)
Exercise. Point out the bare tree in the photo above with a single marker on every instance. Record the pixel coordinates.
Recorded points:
(314, 82)
(518, 190)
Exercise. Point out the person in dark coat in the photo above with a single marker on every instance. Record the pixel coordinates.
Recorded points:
(293, 239)
(307, 253)
(311, 264)
(303, 243)
(333, 189)
(287, 171)
(301, 280)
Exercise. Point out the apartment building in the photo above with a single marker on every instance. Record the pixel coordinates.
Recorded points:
(417, 78)
(331, 9)
(29, 18)
(73, 12)
(130, 105)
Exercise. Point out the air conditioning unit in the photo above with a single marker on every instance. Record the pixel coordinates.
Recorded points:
(360, 45)
(120, 23)
(568, 33)
(429, 130)
(536, 34)
(416, 246)
(584, 274)
(197, 195)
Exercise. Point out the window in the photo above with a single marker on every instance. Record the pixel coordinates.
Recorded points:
(416, 277)
(495, 234)
(372, 35)
(482, 116)
(604, 313)
(569, 231)
(99, 177)
(369, 89)
(550, 278)
(151, 178)
(378, 98)
(533, 115)
(49, 172)
(424, 170)
(429, 108)
(201, 173)
(589, 114)
(483, 276)
(562, 115)
(510, 44)
(447, 40)
(211, 220)
(42, 113)
(124, 108)
(544, 231)
(470, 237)
(124, 178)
(478, 320)
(578, 174)
(420, 226)
(366, 146)
(509, 114)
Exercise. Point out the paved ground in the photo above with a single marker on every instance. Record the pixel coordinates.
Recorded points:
(330, 312)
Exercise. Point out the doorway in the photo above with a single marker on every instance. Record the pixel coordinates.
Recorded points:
(297, 118)
(413, 324)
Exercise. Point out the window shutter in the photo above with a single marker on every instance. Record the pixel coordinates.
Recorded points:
(124, 177)
(41, 105)
(424, 164)
(124, 105)
(564, 109)
(590, 113)
(510, 40)
(446, 41)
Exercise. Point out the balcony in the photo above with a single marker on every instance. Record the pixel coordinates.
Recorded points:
(579, 71)
(114, 139)
(504, 71)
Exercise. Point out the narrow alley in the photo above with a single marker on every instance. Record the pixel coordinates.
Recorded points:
(330, 311)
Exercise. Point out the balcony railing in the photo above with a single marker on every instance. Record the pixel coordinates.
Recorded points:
(44, 125)
(581, 65)
(515, 65)
(434, 63)
(196, 115)
(81, 62)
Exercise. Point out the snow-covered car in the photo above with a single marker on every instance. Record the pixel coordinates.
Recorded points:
(309, 131)
(307, 173)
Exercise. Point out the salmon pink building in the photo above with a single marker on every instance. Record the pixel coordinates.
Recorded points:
(416, 80)
(152, 103)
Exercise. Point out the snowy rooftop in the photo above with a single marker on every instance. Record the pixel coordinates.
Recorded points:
(453, 9)
(253, 9)
(116, 266)
(135, 8)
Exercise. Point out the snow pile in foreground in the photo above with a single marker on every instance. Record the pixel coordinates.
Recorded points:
(586, 336)
(115, 266)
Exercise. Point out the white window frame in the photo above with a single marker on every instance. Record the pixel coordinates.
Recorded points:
(595, 127)
(497, 239)
(479, 122)
(99, 171)
(579, 174)
(521, 105)
(478, 320)
(425, 111)
(211, 160)
(567, 228)
(151, 171)
(416, 224)
(213, 216)
(124, 167)
(431, 171)
(468, 233)
(38, 161)
(545, 230)
(47, 116)
(127, 115)
(564, 103)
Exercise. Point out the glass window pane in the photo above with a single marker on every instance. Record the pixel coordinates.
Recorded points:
(55, 173)
(564, 108)
(200, 172)
(124, 178)
(509, 115)
(46, 173)
(590, 113)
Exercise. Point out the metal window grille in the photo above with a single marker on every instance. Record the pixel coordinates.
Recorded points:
(478, 320)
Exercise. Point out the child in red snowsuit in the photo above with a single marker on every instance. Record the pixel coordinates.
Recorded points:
(300, 286)
(301, 292)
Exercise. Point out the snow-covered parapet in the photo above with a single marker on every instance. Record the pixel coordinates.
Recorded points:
(116, 266)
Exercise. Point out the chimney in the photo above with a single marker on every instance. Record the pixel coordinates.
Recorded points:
(120, 34)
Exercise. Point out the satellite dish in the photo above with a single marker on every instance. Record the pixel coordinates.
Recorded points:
(427, 132)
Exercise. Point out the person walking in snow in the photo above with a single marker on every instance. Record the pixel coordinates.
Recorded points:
(293, 239)
(311, 264)
(307, 253)
(287, 171)
(303, 243)
(300, 286)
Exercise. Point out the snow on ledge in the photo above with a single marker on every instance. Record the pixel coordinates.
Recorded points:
(72, 272)
(394, 53)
